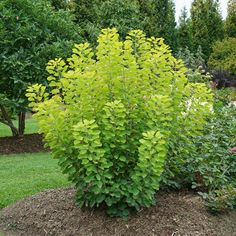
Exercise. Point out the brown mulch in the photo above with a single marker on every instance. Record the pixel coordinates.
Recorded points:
(54, 212)
(28, 143)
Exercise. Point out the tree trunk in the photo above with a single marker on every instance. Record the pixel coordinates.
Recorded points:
(21, 123)
(7, 121)
(14, 131)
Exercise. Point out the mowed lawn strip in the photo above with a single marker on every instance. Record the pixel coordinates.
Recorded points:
(23, 175)
(31, 127)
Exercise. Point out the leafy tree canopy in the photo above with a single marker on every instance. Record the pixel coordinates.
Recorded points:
(30, 35)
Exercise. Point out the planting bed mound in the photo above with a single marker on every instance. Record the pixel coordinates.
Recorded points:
(29, 143)
(54, 212)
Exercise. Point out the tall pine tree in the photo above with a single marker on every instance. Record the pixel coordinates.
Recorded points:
(230, 22)
(184, 30)
(207, 24)
(159, 19)
(171, 31)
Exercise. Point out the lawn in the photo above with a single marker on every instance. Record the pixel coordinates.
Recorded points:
(23, 175)
(30, 128)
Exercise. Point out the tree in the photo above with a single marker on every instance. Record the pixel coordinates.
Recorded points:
(156, 18)
(94, 15)
(230, 22)
(184, 35)
(30, 35)
(159, 19)
(191, 60)
(171, 32)
(121, 14)
(207, 24)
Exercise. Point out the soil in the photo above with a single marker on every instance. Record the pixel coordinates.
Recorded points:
(54, 212)
(28, 143)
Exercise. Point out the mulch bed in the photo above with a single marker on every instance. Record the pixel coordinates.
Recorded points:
(54, 212)
(28, 143)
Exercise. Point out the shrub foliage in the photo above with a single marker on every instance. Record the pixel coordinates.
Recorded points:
(223, 55)
(214, 160)
(112, 117)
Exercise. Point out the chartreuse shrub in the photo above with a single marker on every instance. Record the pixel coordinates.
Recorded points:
(112, 116)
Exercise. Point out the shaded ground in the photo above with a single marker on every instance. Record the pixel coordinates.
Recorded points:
(28, 143)
(53, 212)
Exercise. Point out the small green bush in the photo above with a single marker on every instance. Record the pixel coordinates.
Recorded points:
(213, 159)
(114, 116)
(221, 200)
(211, 166)
(224, 55)
(223, 97)
(199, 76)
(215, 162)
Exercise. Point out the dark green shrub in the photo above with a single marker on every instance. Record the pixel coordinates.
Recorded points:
(223, 97)
(221, 199)
(209, 163)
(216, 162)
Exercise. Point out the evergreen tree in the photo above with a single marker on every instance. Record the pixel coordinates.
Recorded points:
(159, 19)
(184, 30)
(154, 17)
(171, 31)
(121, 14)
(207, 24)
(230, 22)
(92, 16)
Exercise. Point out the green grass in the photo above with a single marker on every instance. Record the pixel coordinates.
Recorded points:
(30, 128)
(23, 175)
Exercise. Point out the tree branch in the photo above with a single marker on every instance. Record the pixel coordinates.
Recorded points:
(7, 121)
